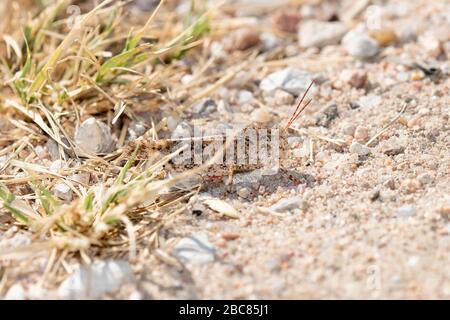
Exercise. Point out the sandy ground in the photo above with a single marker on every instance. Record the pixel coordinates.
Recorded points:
(363, 224)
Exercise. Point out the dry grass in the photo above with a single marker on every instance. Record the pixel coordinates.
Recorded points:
(53, 77)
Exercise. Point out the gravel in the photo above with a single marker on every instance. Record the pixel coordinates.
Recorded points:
(94, 137)
(291, 80)
(95, 280)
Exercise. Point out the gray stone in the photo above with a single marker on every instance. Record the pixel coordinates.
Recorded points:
(359, 149)
(314, 33)
(245, 96)
(195, 249)
(269, 41)
(406, 211)
(204, 107)
(292, 80)
(94, 137)
(135, 130)
(287, 204)
(360, 45)
(96, 280)
(369, 101)
(57, 165)
(348, 129)
(183, 130)
(63, 191)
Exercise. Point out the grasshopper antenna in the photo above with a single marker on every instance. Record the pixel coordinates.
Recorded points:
(299, 109)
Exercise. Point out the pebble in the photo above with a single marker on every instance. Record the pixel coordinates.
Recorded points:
(224, 108)
(369, 101)
(230, 236)
(241, 40)
(406, 211)
(314, 33)
(16, 292)
(269, 41)
(245, 96)
(425, 178)
(95, 280)
(204, 107)
(291, 80)
(286, 21)
(348, 129)
(283, 98)
(183, 130)
(287, 204)
(135, 130)
(392, 147)
(358, 79)
(94, 137)
(359, 149)
(261, 116)
(57, 165)
(360, 45)
(430, 44)
(361, 134)
(63, 191)
(195, 249)
(325, 118)
(243, 193)
(384, 37)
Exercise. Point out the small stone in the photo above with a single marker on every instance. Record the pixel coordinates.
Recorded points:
(135, 130)
(392, 147)
(286, 21)
(204, 107)
(261, 116)
(361, 134)
(243, 193)
(294, 81)
(230, 236)
(224, 108)
(94, 137)
(406, 211)
(183, 130)
(314, 33)
(95, 280)
(82, 177)
(325, 118)
(57, 165)
(425, 178)
(411, 185)
(358, 79)
(172, 122)
(63, 191)
(369, 101)
(245, 96)
(384, 37)
(348, 129)
(283, 98)
(360, 45)
(195, 249)
(431, 44)
(444, 210)
(374, 195)
(269, 41)
(287, 204)
(241, 40)
(359, 149)
(16, 292)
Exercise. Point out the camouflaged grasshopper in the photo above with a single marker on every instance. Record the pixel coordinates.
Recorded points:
(251, 148)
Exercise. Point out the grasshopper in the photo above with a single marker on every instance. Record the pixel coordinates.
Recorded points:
(251, 148)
